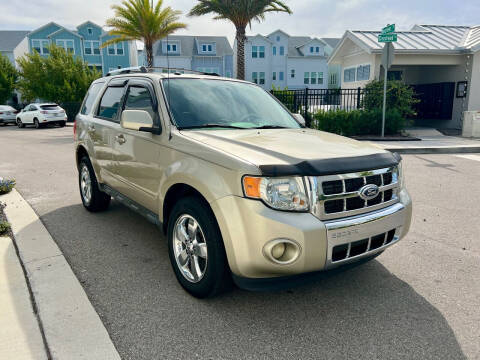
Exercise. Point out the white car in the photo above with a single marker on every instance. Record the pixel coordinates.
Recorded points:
(41, 115)
(7, 114)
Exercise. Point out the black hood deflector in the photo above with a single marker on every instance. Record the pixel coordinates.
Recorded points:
(333, 166)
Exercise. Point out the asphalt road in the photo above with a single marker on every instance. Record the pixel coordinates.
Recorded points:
(418, 300)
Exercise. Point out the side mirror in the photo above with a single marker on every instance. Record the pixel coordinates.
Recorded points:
(300, 119)
(139, 120)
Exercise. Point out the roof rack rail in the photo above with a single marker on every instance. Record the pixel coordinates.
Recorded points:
(128, 70)
(179, 71)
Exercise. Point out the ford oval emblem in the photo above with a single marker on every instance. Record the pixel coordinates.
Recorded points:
(369, 192)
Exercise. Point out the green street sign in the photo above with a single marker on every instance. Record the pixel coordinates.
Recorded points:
(387, 38)
(388, 29)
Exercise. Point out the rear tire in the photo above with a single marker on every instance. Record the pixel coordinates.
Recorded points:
(36, 123)
(20, 124)
(93, 198)
(210, 266)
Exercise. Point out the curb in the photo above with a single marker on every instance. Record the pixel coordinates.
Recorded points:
(436, 150)
(72, 328)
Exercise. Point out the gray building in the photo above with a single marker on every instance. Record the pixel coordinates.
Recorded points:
(212, 54)
(9, 40)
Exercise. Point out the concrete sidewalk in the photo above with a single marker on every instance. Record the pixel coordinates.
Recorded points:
(20, 336)
(432, 142)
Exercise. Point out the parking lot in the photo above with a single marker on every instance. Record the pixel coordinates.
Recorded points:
(418, 300)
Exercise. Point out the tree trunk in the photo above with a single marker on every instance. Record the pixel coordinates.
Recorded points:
(241, 52)
(149, 53)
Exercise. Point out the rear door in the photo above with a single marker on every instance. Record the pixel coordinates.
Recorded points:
(136, 154)
(26, 116)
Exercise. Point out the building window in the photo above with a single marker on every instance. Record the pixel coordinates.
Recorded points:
(67, 45)
(274, 76)
(36, 46)
(255, 77)
(45, 49)
(313, 78)
(111, 49)
(89, 31)
(292, 73)
(88, 48)
(207, 48)
(262, 78)
(317, 49)
(274, 51)
(92, 47)
(228, 74)
(306, 78)
(332, 79)
(254, 52)
(311, 50)
(278, 38)
(363, 72)
(282, 51)
(120, 48)
(96, 47)
(172, 48)
(349, 75)
(258, 52)
(320, 78)
(281, 75)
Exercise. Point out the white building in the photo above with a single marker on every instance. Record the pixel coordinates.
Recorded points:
(442, 63)
(280, 60)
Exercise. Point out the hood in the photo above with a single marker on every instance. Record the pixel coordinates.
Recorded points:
(283, 146)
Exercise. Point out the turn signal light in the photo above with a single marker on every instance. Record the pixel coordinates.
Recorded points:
(252, 186)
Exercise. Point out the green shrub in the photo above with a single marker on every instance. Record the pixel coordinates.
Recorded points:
(400, 97)
(6, 186)
(359, 122)
(4, 227)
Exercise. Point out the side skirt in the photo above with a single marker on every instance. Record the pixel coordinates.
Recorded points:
(149, 215)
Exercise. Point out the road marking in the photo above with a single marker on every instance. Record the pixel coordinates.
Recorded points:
(469, 157)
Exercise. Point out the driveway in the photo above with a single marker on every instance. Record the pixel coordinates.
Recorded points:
(418, 300)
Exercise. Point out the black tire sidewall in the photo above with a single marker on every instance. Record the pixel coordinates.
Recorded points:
(217, 271)
(99, 200)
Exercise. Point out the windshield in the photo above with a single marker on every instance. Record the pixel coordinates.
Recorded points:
(197, 103)
(50, 107)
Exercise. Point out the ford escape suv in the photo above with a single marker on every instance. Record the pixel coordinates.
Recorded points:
(240, 187)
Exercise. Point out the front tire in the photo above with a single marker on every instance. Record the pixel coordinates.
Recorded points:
(20, 124)
(196, 250)
(93, 198)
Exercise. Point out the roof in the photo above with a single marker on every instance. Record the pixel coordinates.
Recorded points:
(9, 39)
(422, 38)
(188, 45)
(332, 42)
(294, 42)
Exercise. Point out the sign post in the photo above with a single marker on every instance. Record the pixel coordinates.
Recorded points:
(387, 36)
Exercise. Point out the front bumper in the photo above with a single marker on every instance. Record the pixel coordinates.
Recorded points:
(247, 225)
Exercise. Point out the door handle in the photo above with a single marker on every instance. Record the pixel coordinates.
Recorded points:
(120, 139)
(91, 129)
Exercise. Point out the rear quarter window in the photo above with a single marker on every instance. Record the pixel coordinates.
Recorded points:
(90, 97)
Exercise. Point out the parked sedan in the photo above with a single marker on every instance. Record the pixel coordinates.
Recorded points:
(7, 114)
(40, 115)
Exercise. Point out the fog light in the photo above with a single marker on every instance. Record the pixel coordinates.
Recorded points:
(282, 251)
(278, 250)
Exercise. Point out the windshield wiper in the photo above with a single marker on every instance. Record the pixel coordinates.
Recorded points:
(270, 127)
(211, 126)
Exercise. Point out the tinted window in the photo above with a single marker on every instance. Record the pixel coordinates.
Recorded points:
(90, 97)
(49, 107)
(139, 98)
(110, 103)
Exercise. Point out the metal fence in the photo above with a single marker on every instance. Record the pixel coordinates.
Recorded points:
(310, 101)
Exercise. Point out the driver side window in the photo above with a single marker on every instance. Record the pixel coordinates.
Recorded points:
(139, 98)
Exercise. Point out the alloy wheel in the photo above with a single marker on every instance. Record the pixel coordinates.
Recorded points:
(86, 184)
(190, 248)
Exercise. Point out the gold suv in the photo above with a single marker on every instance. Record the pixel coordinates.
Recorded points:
(241, 188)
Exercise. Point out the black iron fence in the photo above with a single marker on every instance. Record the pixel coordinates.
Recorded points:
(310, 101)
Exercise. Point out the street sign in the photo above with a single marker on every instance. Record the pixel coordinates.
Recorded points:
(388, 54)
(387, 37)
(388, 29)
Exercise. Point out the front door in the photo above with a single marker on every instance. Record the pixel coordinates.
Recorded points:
(136, 154)
(436, 100)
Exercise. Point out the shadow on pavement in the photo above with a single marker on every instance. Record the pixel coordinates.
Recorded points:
(363, 313)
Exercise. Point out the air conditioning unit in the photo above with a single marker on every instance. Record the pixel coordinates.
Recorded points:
(471, 124)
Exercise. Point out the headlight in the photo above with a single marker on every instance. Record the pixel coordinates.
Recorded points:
(286, 193)
(401, 180)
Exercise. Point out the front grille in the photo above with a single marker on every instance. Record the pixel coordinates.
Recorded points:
(359, 247)
(337, 196)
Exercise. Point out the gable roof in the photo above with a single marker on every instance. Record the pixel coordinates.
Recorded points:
(188, 45)
(332, 42)
(88, 22)
(44, 26)
(66, 30)
(9, 39)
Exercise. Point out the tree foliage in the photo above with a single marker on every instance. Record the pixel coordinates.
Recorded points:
(8, 77)
(138, 20)
(241, 13)
(61, 77)
(400, 97)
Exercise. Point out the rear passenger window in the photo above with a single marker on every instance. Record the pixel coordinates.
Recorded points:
(139, 98)
(110, 103)
(90, 97)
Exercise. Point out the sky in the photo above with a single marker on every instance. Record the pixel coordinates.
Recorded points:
(319, 18)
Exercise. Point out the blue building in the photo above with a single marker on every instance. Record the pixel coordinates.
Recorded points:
(85, 42)
(212, 54)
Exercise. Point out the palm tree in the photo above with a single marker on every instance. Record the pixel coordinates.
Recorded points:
(240, 13)
(140, 20)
